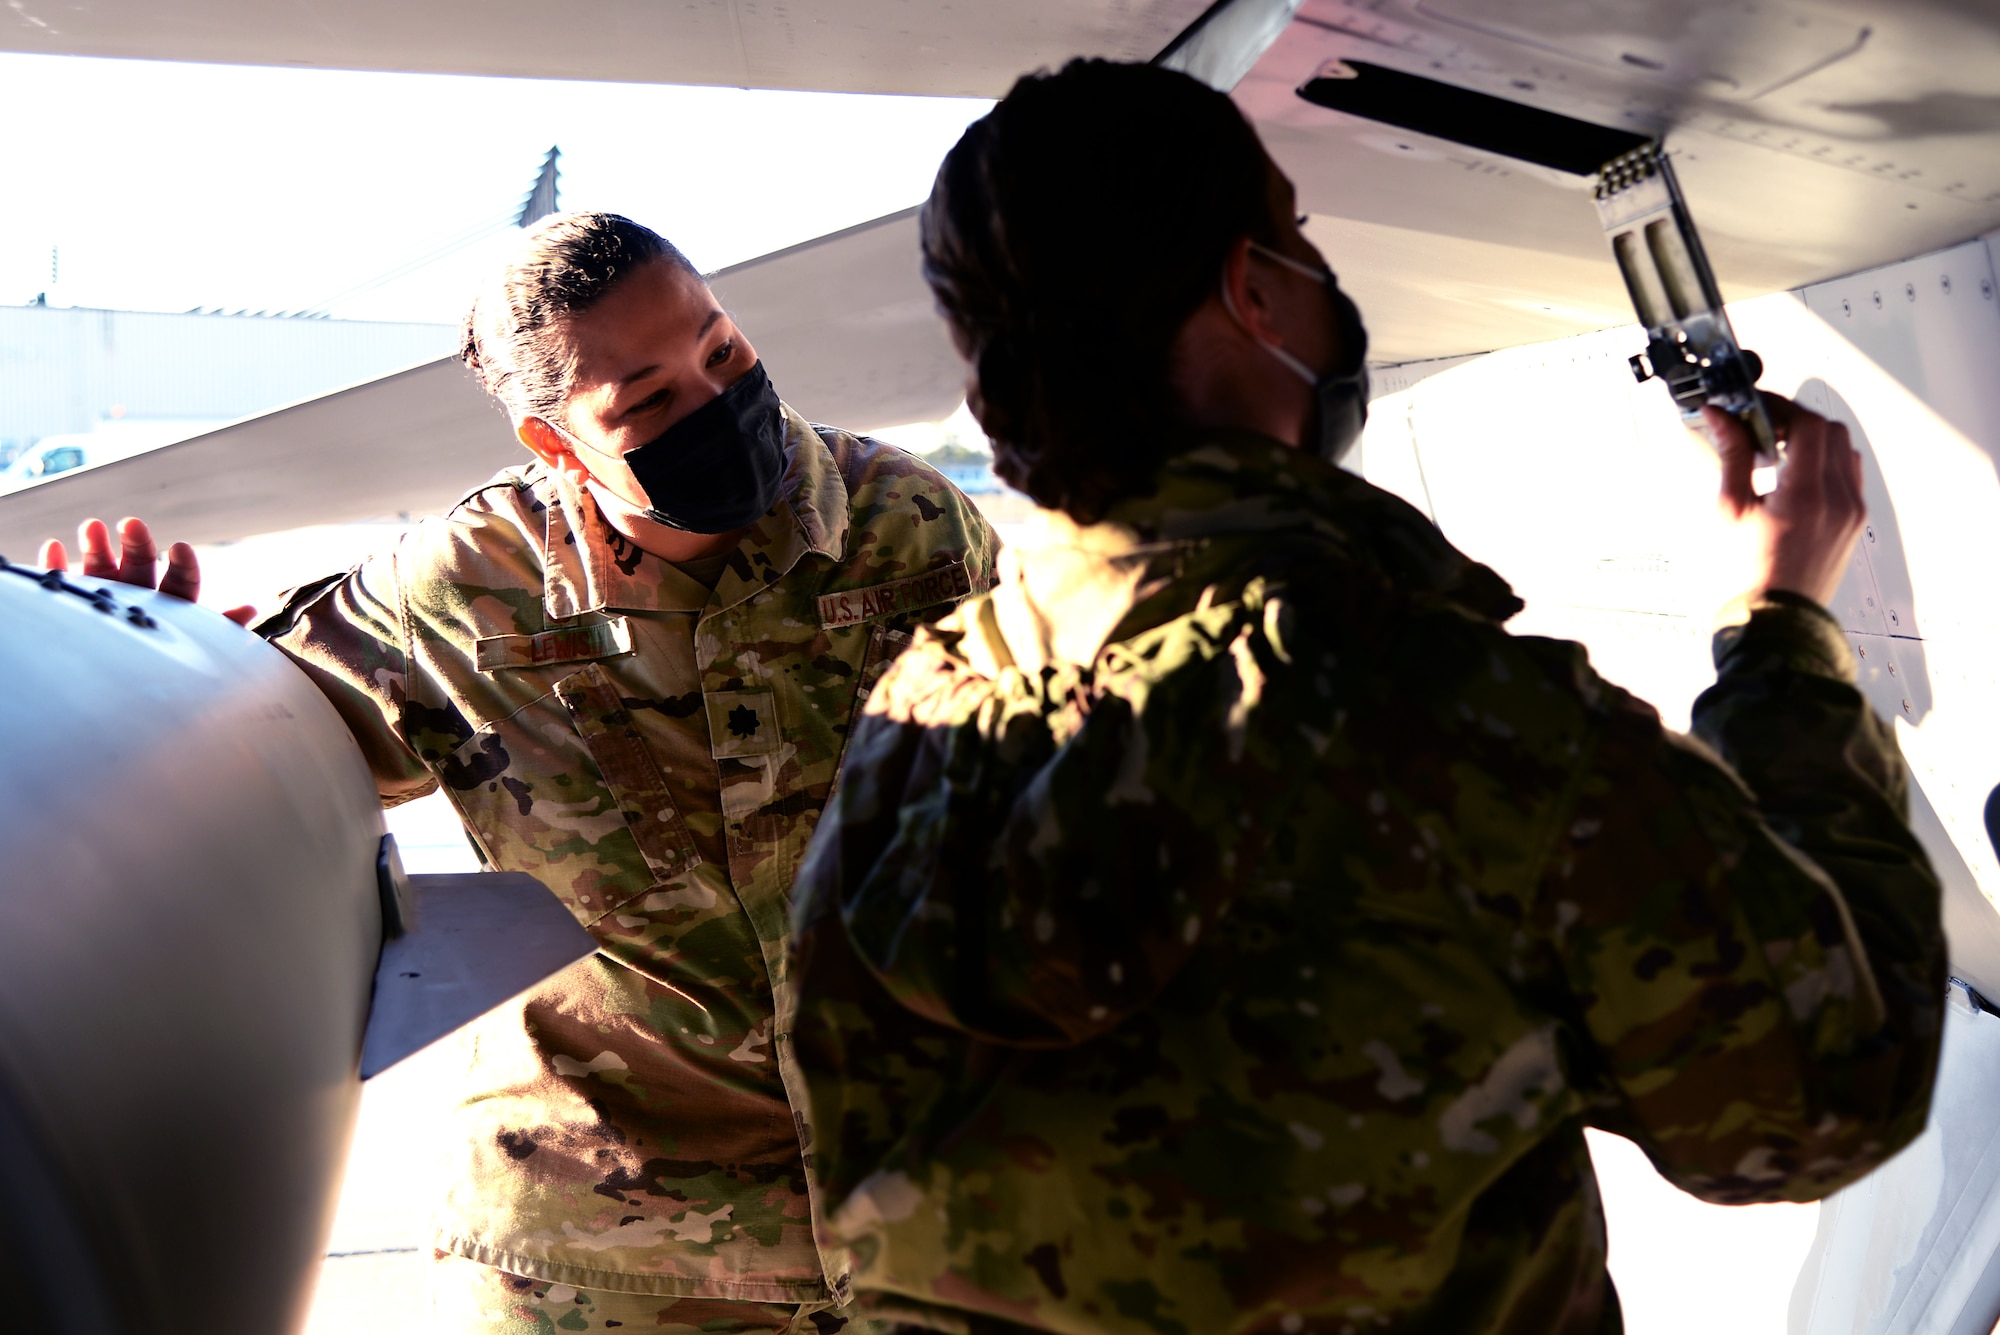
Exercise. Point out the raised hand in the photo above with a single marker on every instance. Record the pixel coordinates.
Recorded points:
(137, 562)
(1808, 525)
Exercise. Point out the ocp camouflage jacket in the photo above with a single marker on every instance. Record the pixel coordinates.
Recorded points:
(1229, 926)
(657, 754)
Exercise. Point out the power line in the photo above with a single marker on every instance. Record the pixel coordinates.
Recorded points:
(438, 250)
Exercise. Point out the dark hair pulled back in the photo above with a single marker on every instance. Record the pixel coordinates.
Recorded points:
(514, 338)
(1070, 234)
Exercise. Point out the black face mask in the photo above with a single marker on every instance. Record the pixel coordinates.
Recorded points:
(1341, 392)
(719, 468)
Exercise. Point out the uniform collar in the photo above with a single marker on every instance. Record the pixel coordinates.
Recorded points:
(1065, 587)
(1230, 483)
(590, 567)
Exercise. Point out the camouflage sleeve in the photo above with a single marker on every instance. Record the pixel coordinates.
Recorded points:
(345, 632)
(999, 856)
(934, 498)
(1758, 959)
(982, 543)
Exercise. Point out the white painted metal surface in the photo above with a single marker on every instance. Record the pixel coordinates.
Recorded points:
(1816, 137)
(188, 929)
(190, 919)
(848, 327)
(1915, 1248)
(412, 442)
(850, 45)
(1814, 151)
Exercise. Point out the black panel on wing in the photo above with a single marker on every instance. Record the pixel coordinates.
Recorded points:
(1476, 120)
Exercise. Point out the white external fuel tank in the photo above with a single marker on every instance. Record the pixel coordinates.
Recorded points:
(206, 943)
(189, 928)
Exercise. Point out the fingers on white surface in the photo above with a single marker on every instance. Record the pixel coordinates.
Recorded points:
(138, 556)
(94, 537)
(183, 577)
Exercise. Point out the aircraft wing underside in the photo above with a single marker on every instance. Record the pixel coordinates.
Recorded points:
(844, 323)
(1817, 137)
(1842, 158)
(1816, 140)
(860, 46)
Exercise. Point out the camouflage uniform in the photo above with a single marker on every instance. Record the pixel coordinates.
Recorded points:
(658, 754)
(1228, 926)
(467, 1296)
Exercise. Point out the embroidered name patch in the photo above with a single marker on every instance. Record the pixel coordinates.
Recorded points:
(944, 585)
(571, 644)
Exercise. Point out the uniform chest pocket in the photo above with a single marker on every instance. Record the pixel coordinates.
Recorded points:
(884, 646)
(630, 772)
(561, 791)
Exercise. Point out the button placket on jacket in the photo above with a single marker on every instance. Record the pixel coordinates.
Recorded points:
(580, 581)
(730, 682)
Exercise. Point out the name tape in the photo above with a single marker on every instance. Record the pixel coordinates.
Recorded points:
(571, 644)
(946, 584)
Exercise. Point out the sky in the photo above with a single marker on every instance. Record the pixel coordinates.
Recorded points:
(171, 186)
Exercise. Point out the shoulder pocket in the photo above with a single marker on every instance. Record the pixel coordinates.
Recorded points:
(884, 645)
(291, 603)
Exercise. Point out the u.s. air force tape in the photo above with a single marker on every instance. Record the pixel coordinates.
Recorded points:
(943, 585)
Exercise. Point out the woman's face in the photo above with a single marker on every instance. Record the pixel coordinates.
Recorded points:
(654, 349)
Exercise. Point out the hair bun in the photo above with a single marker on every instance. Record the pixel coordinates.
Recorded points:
(1070, 234)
